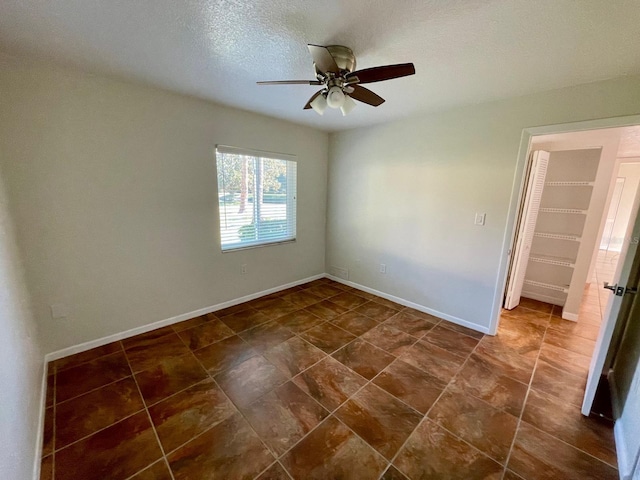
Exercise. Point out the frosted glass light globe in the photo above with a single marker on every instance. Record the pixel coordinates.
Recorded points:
(335, 97)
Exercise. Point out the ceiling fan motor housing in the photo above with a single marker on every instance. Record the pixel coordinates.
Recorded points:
(344, 57)
(335, 68)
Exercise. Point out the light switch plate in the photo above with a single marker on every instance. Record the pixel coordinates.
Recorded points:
(480, 218)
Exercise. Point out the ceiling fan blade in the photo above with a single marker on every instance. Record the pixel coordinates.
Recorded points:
(291, 82)
(378, 74)
(308, 105)
(323, 59)
(366, 96)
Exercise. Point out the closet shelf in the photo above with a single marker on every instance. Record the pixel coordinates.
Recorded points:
(551, 260)
(548, 286)
(575, 211)
(558, 236)
(569, 184)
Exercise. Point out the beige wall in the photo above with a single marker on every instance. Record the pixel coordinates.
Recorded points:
(405, 194)
(114, 195)
(21, 360)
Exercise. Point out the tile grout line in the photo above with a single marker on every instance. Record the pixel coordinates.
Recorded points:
(164, 456)
(145, 407)
(284, 469)
(530, 388)
(148, 467)
(332, 412)
(526, 397)
(572, 446)
(93, 359)
(133, 374)
(298, 335)
(238, 410)
(98, 431)
(421, 338)
(95, 389)
(426, 415)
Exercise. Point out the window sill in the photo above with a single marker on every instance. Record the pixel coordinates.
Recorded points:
(260, 245)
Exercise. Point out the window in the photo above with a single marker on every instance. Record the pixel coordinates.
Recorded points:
(256, 197)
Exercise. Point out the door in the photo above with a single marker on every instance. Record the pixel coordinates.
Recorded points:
(612, 313)
(624, 378)
(526, 226)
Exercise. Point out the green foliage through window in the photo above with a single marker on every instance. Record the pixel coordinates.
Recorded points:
(256, 196)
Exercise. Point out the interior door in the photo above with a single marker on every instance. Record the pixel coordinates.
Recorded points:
(612, 312)
(526, 226)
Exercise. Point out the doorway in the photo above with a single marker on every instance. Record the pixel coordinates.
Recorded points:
(597, 250)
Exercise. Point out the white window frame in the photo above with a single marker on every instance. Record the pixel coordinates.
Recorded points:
(291, 200)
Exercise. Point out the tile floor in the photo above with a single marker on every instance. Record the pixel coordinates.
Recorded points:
(323, 381)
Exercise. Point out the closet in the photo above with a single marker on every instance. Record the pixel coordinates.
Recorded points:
(552, 221)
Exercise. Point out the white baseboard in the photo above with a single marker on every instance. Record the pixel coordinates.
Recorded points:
(407, 303)
(65, 352)
(570, 316)
(543, 298)
(37, 463)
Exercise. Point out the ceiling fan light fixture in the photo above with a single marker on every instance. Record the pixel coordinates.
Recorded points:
(335, 70)
(319, 104)
(335, 97)
(349, 104)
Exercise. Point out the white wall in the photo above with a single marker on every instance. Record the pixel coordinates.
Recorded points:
(631, 174)
(405, 194)
(114, 196)
(21, 360)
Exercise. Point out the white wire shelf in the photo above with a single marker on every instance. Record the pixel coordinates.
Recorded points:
(548, 286)
(558, 236)
(575, 211)
(551, 260)
(569, 184)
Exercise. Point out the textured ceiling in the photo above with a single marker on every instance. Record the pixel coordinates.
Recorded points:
(465, 51)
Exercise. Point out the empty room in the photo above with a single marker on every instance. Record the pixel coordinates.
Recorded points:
(319, 240)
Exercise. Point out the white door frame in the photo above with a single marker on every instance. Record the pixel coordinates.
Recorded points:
(517, 190)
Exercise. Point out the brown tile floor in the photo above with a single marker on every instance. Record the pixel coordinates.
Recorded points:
(323, 382)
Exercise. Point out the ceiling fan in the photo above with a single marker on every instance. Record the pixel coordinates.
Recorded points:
(335, 68)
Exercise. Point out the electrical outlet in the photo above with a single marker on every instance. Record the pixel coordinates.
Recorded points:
(383, 268)
(243, 268)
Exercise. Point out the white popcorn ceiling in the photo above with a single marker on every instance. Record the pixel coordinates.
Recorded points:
(465, 51)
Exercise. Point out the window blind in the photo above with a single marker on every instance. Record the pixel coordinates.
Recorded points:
(256, 197)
